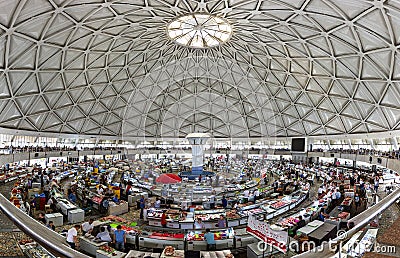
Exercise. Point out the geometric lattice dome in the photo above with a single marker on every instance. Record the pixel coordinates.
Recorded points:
(290, 68)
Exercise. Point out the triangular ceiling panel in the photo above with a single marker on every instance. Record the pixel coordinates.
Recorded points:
(296, 67)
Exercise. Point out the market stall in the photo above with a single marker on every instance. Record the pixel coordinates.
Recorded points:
(90, 245)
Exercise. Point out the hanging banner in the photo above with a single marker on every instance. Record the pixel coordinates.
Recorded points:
(262, 231)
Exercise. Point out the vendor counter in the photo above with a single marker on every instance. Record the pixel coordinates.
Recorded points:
(136, 254)
(310, 227)
(89, 245)
(161, 240)
(323, 233)
(215, 254)
(115, 254)
(117, 209)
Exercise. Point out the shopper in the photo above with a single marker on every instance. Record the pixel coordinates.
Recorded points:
(224, 202)
(212, 201)
(42, 218)
(142, 205)
(72, 197)
(72, 237)
(51, 225)
(104, 235)
(115, 199)
(119, 239)
(376, 184)
(164, 219)
(209, 237)
(87, 227)
(357, 201)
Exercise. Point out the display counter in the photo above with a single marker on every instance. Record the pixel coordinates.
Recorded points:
(323, 233)
(33, 250)
(115, 254)
(175, 218)
(161, 240)
(136, 254)
(337, 216)
(89, 245)
(310, 227)
(57, 219)
(65, 206)
(117, 209)
(223, 239)
(216, 254)
(76, 216)
(172, 254)
(365, 244)
(242, 238)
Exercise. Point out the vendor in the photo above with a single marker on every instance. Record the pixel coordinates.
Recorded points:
(322, 214)
(199, 224)
(72, 197)
(42, 218)
(164, 219)
(104, 235)
(115, 199)
(301, 223)
(87, 227)
(72, 237)
(221, 222)
(224, 202)
(51, 225)
(100, 190)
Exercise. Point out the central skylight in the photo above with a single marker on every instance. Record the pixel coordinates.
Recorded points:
(199, 30)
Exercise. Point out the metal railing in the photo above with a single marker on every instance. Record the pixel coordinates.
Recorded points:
(47, 238)
(360, 221)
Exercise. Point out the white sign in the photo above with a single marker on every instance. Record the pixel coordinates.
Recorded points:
(262, 230)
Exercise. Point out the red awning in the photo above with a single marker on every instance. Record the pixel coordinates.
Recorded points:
(168, 179)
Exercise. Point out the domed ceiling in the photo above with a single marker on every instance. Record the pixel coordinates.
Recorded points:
(232, 68)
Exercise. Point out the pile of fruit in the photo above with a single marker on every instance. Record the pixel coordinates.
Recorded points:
(108, 249)
(169, 250)
(232, 214)
(288, 221)
(25, 241)
(96, 199)
(200, 236)
(278, 204)
(343, 215)
(113, 218)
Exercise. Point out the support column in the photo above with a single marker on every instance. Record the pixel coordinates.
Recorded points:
(395, 143)
(197, 140)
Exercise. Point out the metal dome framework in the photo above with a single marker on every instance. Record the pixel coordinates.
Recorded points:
(291, 68)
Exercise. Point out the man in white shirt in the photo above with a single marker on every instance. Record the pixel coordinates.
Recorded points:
(72, 237)
(103, 235)
(157, 204)
(100, 190)
(246, 193)
(256, 194)
(87, 227)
